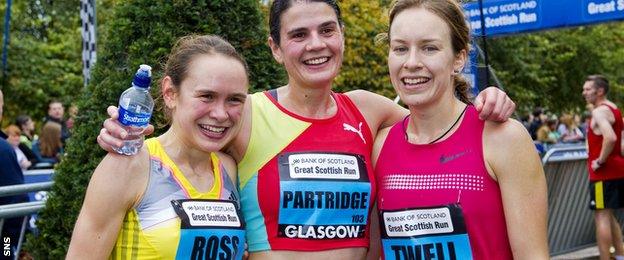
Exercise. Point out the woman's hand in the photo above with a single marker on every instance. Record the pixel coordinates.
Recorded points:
(493, 104)
(112, 133)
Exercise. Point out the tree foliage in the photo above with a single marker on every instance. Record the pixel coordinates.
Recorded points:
(364, 65)
(140, 31)
(549, 68)
(43, 58)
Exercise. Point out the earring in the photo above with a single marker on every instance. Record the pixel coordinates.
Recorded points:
(455, 72)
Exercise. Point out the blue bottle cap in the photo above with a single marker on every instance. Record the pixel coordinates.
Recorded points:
(143, 77)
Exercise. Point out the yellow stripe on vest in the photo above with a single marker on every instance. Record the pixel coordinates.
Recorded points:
(266, 119)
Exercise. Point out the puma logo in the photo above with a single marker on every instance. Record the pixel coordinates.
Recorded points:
(358, 131)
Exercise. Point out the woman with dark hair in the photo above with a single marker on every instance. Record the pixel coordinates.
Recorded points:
(450, 184)
(27, 126)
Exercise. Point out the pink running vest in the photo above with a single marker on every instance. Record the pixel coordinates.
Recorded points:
(421, 188)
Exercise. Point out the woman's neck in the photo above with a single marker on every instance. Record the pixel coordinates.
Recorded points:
(429, 122)
(308, 102)
(180, 152)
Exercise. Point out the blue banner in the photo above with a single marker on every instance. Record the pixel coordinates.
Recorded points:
(517, 16)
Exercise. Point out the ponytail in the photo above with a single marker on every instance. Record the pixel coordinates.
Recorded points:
(461, 88)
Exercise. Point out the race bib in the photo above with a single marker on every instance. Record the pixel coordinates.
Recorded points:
(425, 233)
(323, 196)
(210, 229)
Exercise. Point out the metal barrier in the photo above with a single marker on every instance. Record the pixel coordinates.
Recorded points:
(570, 221)
(21, 209)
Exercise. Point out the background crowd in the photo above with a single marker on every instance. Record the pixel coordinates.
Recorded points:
(550, 130)
(40, 144)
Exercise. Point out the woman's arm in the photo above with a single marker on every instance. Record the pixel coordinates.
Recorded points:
(116, 185)
(512, 160)
(374, 250)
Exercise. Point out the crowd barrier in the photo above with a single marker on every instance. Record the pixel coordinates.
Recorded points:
(570, 221)
(38, 182)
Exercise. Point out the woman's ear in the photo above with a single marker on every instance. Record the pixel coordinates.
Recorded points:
(460, 61)
(169, 93)
(275, 49)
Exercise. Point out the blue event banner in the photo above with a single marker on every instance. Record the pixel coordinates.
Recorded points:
(518, 16)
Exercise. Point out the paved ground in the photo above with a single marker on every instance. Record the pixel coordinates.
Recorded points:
(590, 253)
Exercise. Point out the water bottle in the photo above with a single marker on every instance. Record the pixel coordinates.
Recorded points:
(135, 110)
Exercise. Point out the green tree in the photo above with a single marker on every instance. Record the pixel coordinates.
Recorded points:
(44, 58)
(141, 31)
(549, 68)
(364, 65)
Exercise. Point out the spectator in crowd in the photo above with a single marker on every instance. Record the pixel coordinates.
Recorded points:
(585, 118)
(49, 147)
(526, 120)
(13, 137)
(27, 126)
(547, 133)
(10, 174)
(568, 130)
(73, 112)
(538, 120)
(606, 165)
(56, 112)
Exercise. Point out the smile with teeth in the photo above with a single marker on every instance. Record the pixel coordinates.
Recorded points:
(213, 129)
(316, 61)
(414, 81)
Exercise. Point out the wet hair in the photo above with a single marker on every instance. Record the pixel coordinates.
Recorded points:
(451, 12)
(278, 7)
(21, 120)
(600, 82)
(186, 49)
(50, 139)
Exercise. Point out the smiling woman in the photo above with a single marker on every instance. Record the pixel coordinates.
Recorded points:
(480, 184)
(170, 199)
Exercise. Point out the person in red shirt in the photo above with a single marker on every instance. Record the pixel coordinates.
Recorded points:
(606, 165)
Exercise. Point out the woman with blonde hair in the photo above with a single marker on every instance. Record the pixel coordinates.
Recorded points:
(569, 130)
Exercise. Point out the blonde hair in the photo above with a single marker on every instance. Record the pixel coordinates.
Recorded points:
(568, 121)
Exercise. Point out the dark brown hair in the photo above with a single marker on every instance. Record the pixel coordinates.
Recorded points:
(451, 12)
(50, 139)
(185, 50)
(600, 82)
(278, 7)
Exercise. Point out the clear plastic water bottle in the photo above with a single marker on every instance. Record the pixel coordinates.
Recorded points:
(135, 109)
